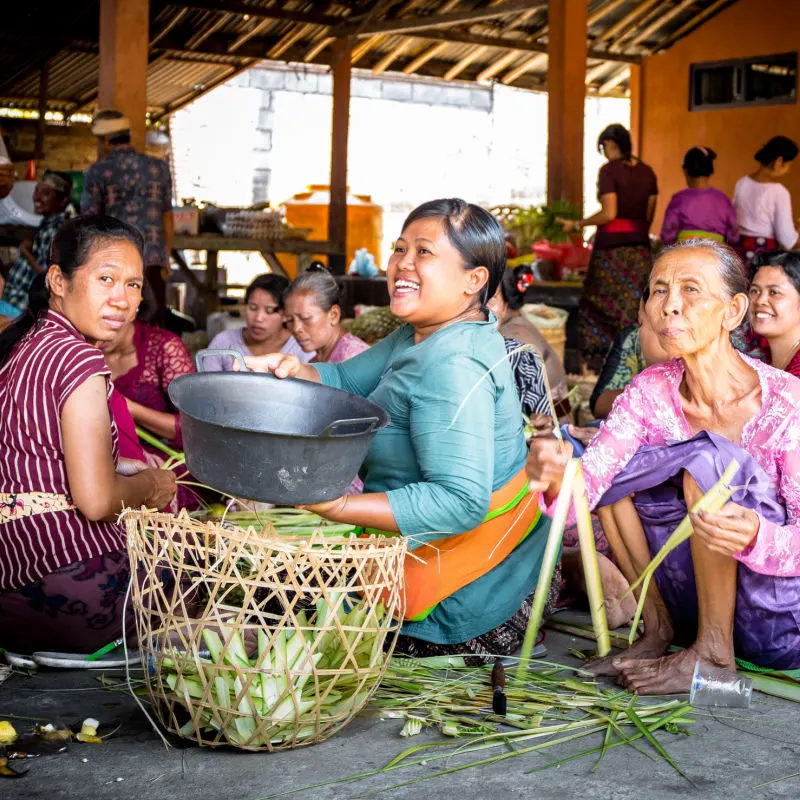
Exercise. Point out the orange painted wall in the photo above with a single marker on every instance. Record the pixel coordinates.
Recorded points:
(669, 129)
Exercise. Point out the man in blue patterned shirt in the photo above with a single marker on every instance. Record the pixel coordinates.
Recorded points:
(50, 199)
(137, 189)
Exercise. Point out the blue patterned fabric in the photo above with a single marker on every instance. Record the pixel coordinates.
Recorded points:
(135, 188)
(21, 275)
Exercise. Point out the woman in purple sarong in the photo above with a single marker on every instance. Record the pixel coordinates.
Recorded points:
(734, 587)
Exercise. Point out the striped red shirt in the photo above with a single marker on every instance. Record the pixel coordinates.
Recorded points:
(47, 365)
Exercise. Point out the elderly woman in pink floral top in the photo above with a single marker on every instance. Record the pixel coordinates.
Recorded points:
(735, 586)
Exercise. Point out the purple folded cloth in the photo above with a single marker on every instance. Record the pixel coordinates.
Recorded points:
(767, 620)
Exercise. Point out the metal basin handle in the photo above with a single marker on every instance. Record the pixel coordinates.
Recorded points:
(351, 427)
(212, 353)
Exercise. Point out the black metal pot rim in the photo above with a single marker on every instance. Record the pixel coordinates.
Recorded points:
(380, 413)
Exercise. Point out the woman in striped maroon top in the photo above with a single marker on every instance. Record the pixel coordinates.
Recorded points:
(63, 566)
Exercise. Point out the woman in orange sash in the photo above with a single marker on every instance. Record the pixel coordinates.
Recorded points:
(448, 471)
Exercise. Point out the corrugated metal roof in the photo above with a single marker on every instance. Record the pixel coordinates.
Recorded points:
(197, 44)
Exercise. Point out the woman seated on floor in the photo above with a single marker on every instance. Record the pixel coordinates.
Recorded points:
(313, 309)
(775, 310)
(265, 328)
(455, 449)
(634, 349)
(144, 360)
(734, 587)
(63, 564)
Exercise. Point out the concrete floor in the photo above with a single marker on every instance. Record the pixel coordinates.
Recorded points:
(726, 756)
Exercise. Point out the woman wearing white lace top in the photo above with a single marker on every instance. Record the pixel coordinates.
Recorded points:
(764, 206)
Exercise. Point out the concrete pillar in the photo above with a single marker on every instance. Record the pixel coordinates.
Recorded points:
(124, 40)
(566, 84)
(337, 210)
(635, 86)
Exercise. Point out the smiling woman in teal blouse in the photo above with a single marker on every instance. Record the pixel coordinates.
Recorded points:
(454, 453)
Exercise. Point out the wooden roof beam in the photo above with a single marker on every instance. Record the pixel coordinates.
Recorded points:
(324, 42)
(661, 21)
(627, 21)
(290, 39)
(463, 63)
(423, 58)
(504, 60)
(171, 23)
(526, 66)
(209, 30)
(603, 11)
(615, 80)
(498, 66)
(593, 73)
(183, 101)
(391, 57)
(509, 43)
(259, 12)
(691, 24)
(412, 25)
(360, 50)
(248, 35)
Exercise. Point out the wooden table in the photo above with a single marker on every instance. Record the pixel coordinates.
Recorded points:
(212, 243)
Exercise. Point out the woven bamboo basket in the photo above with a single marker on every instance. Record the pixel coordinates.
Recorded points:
(551, 322)
(252, 593)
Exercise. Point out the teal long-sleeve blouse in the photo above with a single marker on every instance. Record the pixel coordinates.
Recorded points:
(455, 436)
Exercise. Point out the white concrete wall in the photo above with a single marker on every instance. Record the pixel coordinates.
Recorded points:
(266, 135)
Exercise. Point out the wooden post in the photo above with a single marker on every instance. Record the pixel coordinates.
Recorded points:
(124, 40)
(635, 86)
(566, 51)
(337, 210)
(38, 150)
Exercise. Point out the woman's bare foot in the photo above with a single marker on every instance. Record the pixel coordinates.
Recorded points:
(647, 647)
(668, 675)
(618, 613)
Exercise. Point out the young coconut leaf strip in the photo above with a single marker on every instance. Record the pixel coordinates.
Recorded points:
(546, 708)
(573, 491)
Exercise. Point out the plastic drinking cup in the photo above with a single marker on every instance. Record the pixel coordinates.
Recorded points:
(713, 686)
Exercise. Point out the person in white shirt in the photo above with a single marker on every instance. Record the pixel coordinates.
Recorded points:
(764, 206)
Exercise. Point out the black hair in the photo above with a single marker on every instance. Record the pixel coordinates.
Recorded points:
(148, 311)
(788, 261)
(319, 283)
(120, 137)
(777, 147)
(276, 285)
(512, 287)
(621, 137)
(699, 162)
(70, 249)
(474, 232)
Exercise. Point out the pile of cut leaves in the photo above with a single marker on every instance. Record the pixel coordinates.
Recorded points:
(546, 708)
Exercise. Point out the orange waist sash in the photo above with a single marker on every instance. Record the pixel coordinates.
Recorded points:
(436, 570)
